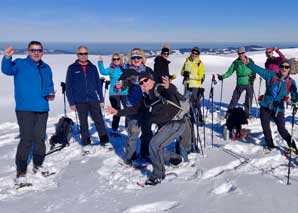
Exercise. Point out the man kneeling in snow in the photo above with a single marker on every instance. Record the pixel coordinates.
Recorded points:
(157, 98)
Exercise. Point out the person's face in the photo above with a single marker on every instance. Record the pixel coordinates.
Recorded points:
(116, 60)
(194, 54)
(35, 52)
(82, 55)
(241, 55)
(165, 55)
(136, 61)
(284, 69)
(146, 84)
(269, 53)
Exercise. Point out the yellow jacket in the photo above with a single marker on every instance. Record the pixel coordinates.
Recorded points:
(196, 72)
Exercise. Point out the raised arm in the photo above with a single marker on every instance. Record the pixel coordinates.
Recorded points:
(8, 66)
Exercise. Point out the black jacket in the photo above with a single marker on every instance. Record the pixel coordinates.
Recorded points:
(161, 68)
(160, 113)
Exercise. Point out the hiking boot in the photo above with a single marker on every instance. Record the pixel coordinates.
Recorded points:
(104, 140)
(267, 149)
(127, 162)
(175, 160)
(21, 178)
(152, 181)
(40, 169)
(86, 150)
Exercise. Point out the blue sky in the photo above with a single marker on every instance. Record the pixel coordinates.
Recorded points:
(148, 21)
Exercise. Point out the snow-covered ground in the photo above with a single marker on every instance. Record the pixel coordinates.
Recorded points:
(232, 176)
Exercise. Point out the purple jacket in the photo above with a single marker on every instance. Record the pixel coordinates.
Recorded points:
(274, 62)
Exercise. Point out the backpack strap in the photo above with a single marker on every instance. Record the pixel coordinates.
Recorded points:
(288, 82)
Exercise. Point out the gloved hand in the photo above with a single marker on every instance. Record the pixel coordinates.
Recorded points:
(220, 77)
(107, 83)
(252, 77)
(173, 76)
(186, 74)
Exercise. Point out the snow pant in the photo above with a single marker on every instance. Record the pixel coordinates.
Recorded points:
(279, 118)
(135, 125)
(32, 127)
(196, 95)
(116, 101)
(248, 97)
(157, 148)
(95, 112)
(187, 141)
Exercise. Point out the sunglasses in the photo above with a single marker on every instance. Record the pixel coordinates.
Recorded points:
(268, 52)
(195, 53)
(144, 81)
(36, 50)
(136, 57)
(115, 59)
(82, 53)
(165, 53)
(284, 66)
(241, 53)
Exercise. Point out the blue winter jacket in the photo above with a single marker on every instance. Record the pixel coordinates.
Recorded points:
(130, 80)
(114, 73)
(83, 89)
(32, 83)
(275, 92)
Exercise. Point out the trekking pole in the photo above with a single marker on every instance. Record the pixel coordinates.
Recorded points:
(257, 103)
(260, 84)
(213, 82)
(198, 138)
(221, 91)
(63, 86)
(204, 123)
(291, 144)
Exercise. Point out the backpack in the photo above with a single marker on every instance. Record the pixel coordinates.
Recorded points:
(63, 132)
(184, 105)
(288, 86)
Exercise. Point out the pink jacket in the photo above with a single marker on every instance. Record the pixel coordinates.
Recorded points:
(274, 62)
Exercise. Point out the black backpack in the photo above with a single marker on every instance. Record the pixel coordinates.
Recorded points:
(63, 132)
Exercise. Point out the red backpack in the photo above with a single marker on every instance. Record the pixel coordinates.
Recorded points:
(288, 86)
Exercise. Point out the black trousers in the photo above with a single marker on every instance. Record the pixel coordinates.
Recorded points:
(248, 97)
(116, 101)
(32, 127)
(266, 115)
(196, 95)
(95, 112)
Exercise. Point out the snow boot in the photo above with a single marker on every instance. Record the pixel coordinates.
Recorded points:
(152, 181)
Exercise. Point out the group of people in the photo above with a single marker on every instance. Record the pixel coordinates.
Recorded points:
(147, 97)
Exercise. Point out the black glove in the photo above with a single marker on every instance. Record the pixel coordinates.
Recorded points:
(107, 84)
(252, 77)
(220, 77)
(186, 74)
(63, 86)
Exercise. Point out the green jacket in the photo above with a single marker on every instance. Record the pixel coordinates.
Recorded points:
(275, 93)
(242, 71)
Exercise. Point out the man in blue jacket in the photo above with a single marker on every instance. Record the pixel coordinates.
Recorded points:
(84, 94)
(33, 89)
